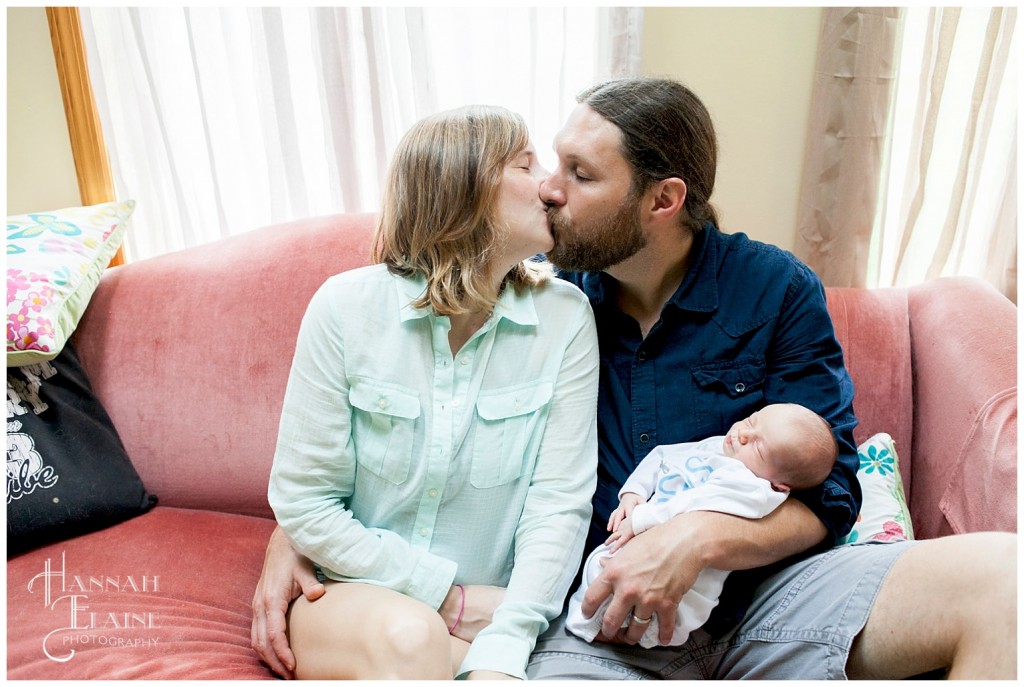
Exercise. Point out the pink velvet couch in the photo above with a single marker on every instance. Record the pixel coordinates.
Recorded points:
(190, 354)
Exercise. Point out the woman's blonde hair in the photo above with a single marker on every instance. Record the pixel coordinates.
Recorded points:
(439, 209)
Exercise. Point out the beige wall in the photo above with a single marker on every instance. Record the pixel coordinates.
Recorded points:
(754, 69)
(40, 168)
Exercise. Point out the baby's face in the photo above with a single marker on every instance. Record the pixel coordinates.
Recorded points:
(753, 441)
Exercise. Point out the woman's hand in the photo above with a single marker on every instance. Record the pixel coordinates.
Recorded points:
(286, 574)
(480, 602)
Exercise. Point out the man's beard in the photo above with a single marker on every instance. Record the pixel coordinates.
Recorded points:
(599, 245)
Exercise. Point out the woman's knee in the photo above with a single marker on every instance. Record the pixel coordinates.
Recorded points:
(369, 634)
(410, 637)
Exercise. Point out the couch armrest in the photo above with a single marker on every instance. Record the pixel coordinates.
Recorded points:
(964, 348)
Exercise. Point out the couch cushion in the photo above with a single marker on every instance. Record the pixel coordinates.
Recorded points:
(181, 581)
(211, 332)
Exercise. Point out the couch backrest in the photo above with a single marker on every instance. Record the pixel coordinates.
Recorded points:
(190, 353)
(873, 327)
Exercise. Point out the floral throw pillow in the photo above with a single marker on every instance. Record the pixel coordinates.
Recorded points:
(884, 515)
(54, 261)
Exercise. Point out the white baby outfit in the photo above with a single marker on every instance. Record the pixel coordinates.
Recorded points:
(679, 478)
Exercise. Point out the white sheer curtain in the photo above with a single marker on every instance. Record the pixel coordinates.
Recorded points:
(221, 120)
(950, 192)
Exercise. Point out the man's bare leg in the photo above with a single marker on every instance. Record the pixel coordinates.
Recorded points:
(947, 603)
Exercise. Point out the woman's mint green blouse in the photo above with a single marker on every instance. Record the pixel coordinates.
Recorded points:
(401, 465)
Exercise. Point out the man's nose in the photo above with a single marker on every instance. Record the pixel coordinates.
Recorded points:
(550, 192)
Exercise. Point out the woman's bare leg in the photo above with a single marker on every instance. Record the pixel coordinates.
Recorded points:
(460, 648)
(364, 632)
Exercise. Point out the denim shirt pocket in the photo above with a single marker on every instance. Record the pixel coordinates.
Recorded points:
(383, 427)
(506, 419)
(727, 391)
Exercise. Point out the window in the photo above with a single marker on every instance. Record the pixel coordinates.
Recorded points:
(950, 191)
(221, 120)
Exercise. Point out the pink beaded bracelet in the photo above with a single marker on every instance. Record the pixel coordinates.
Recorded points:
(462, 607)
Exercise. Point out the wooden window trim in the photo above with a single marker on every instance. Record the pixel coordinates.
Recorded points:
(92, 166)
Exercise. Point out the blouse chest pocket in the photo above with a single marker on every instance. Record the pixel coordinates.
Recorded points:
(727, 391)
(506, 420)
(383, 427)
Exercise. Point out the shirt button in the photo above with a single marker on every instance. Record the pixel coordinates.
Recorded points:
(432, 493)
(424, 531)
(517, 405)
(740, 387)
(642, 355)
(644, 438)
(383, 402)
(464, 360)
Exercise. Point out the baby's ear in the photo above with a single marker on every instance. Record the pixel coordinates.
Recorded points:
(784, 488)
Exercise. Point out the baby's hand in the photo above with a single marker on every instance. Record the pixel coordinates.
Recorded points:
(627, 503)
(620, 536)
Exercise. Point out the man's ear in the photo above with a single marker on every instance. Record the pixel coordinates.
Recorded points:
(666, 199)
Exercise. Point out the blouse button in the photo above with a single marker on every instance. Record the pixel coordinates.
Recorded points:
(383, 403)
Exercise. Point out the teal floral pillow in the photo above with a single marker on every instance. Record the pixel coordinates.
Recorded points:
(884, 515)
(54, 261)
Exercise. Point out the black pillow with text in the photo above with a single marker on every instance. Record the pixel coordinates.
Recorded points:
(67, 470)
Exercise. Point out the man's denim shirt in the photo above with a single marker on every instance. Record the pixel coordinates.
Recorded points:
(748, 326)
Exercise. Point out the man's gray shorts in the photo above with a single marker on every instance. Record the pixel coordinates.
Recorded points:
(800, 626)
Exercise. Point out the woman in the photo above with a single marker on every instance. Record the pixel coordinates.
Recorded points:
(438, 436)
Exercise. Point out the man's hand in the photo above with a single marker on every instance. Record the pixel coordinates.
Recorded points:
(645, 579)
(286, 574)
(648, 578)
(480, 603)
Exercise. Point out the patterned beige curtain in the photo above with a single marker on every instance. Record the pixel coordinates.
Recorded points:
(839, 196)
(911, 165)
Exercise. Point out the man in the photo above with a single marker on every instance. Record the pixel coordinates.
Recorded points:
(697, 329)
